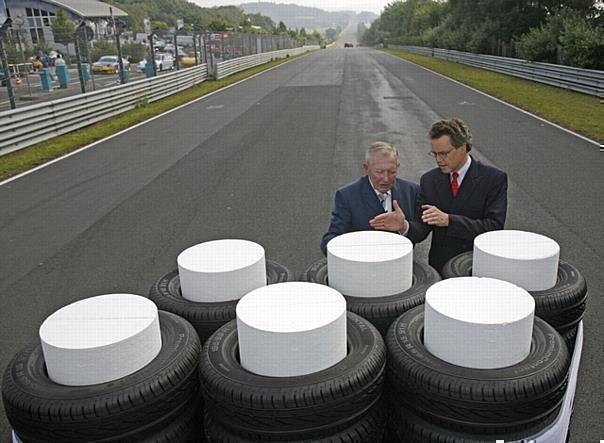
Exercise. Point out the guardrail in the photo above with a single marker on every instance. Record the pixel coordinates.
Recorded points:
(587, 81)
(26, 126)
(228, 67)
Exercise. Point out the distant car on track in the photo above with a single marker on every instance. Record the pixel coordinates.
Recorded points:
(348, 45)
(108, 64)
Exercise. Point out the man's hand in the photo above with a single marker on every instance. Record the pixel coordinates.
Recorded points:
(431, 215)
(391, 221)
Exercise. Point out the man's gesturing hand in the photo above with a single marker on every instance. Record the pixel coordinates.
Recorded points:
(390, 221)
(434, 216)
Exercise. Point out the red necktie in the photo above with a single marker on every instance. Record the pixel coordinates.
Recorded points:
(454, 184)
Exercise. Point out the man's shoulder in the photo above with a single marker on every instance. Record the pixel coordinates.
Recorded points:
(406, 184)
(352, 186)
(431, 174)
(489, 170)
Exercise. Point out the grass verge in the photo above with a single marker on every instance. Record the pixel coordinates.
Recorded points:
(40, 153)
(578, 112)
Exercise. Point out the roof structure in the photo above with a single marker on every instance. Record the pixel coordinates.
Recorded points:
(88, 8)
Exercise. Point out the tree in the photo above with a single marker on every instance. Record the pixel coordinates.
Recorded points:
(281, 28)
(62, 28)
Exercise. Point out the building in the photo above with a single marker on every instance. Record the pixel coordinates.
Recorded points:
(33, 18)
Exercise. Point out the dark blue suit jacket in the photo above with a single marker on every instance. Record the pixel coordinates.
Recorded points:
(357, 203)
(480, 206)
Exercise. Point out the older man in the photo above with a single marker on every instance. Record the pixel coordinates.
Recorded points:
(460, 198)
(378, 192)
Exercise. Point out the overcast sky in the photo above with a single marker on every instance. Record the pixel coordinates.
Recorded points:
(328, 5)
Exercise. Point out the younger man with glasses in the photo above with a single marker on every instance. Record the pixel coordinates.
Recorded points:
(460, 198)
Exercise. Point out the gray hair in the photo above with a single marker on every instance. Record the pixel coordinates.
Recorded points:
(380, 148)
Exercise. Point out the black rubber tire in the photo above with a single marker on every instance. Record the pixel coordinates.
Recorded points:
(476, 400)
(185, 426)
(404, 426)
(139, 404)
(561, 306)
(570, 336)
(368, 429)
(205, 317)
(381, 311)
(309, 403)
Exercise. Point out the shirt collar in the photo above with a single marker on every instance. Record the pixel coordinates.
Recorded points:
(464, 169)
(378, 193)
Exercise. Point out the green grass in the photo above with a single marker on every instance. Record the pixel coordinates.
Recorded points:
(40, 153)
(578, 112)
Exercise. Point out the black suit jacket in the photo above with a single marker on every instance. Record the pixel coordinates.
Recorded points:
(357, 203)
(480, 206)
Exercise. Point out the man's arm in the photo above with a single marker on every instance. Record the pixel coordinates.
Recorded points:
(341, 220)
(418, 230)
(493, 217)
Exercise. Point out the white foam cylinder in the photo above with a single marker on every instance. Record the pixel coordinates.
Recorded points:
(526, 259)
(370, 263)
(100, 339)
(479, 323)
(291, 329)
(221, 270)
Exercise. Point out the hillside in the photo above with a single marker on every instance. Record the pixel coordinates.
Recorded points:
(164, 13)
(295, 16)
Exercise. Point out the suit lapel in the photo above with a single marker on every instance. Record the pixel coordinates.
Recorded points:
(370, 199)
(468, 184)
(443, 189)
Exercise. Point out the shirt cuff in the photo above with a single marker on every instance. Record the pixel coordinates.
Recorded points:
(406, 230)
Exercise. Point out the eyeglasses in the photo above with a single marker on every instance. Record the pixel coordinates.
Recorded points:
(442, 155)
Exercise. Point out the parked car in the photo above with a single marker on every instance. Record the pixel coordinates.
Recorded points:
(189, 60)
(108, 64)
(163, 62)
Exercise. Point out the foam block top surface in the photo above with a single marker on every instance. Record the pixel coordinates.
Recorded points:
(291, 307)
(98, 321)
(370, 246)
(519, 245)
(480, 300)
(220, 255)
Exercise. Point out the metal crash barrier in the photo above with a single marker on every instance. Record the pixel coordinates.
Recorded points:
(26, 126)
(587, 81)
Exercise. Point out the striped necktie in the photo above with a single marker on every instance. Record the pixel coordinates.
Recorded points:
(383, 200)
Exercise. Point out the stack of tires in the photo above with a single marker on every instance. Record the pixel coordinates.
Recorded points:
(436, 401)
(208, 315)
(339, 403)
(159, 402)
(562, 305)
(380, 309)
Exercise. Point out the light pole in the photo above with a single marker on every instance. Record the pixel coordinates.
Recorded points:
(9, 87)
(117, 32)
(18, 24)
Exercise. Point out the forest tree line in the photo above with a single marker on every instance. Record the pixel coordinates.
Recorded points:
(567, 32)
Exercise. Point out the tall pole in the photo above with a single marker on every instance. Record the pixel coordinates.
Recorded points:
(152, 52)
(195, 49)
(79, 62)
(18, 33)
(9, 86)
(177, 64)
(120, 62)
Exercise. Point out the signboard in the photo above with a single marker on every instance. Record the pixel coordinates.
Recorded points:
(3, 15)
(180, 23)
(146, 24)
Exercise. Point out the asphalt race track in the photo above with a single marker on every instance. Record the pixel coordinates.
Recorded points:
(261, 161)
